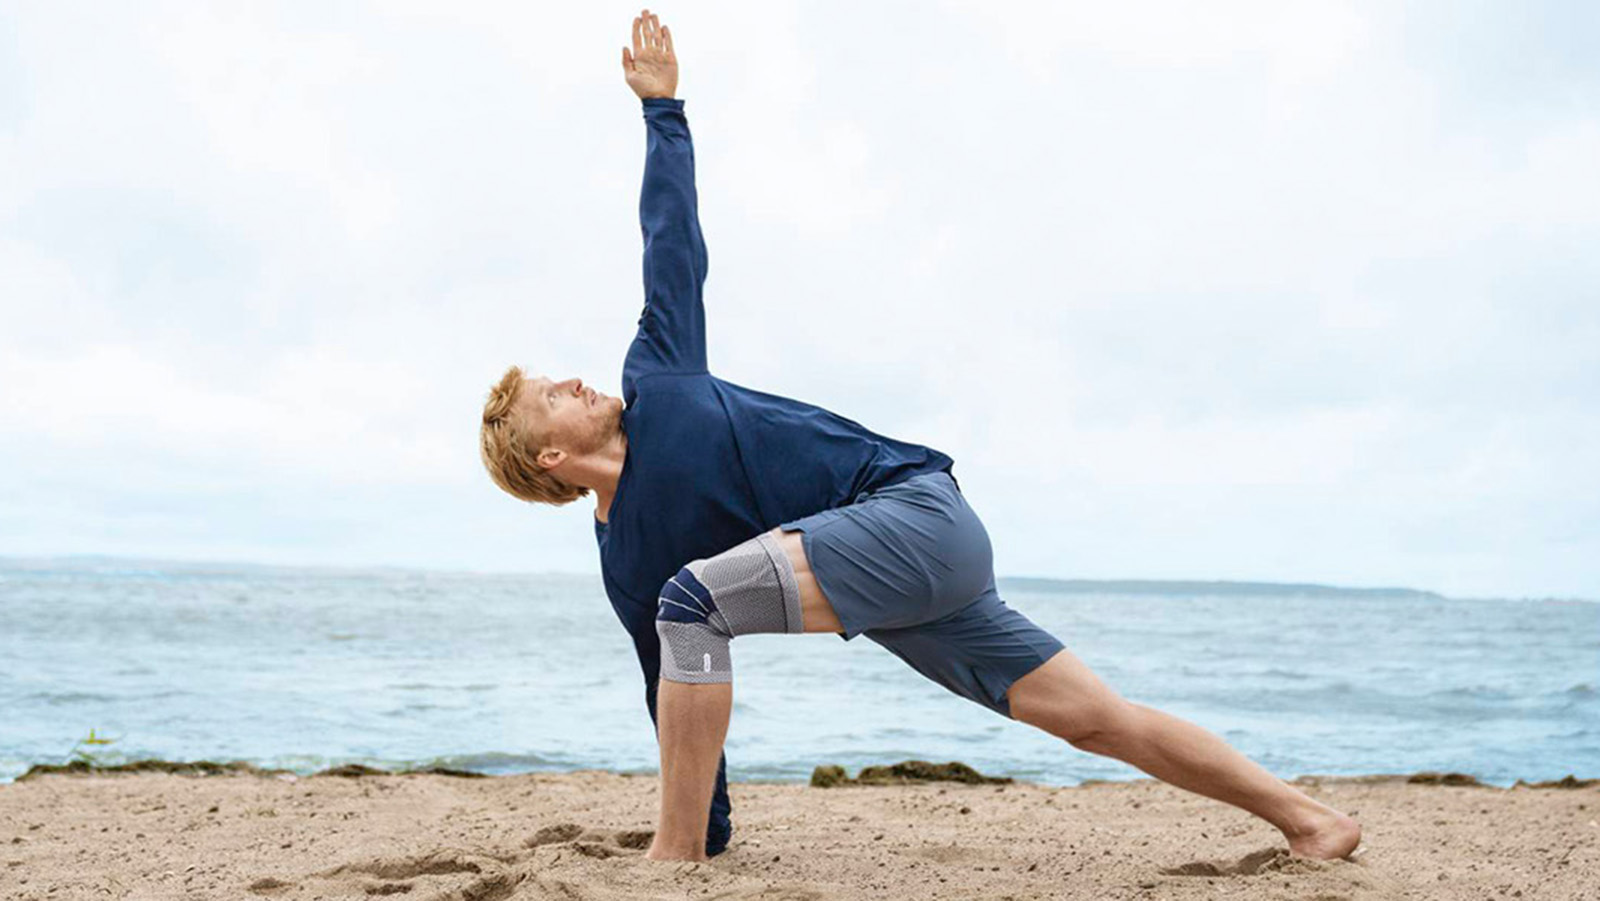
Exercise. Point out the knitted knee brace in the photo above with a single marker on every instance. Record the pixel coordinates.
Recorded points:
(748, 588)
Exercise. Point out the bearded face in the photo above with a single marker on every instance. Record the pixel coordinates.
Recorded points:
(570, 415)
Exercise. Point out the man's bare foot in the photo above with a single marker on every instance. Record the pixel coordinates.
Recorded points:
(660, 852)
(1334, 837)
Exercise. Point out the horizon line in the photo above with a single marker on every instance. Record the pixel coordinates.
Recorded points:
(15, 559)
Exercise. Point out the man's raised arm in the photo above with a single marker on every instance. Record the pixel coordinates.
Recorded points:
(672, 334)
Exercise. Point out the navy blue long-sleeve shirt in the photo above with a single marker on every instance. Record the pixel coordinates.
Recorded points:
(710, 463)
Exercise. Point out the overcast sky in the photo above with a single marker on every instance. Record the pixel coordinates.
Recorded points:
(1265, 291)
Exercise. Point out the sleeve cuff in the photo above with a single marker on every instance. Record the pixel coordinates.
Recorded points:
(663, 102)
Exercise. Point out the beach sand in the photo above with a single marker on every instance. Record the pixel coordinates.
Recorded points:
(581, 836)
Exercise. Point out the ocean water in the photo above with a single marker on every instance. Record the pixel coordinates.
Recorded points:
(306, 669)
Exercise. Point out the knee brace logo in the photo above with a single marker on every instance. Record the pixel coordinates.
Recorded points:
(684, 599)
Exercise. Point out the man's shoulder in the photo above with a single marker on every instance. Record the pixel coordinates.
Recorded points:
(671, 392)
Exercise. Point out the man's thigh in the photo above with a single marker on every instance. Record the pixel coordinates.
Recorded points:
(977, 652)
(815, 610)
(907, 554)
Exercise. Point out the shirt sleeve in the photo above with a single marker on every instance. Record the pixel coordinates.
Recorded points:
(672, 334)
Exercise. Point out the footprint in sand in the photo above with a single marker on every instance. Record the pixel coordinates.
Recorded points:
(452, 873)
(591, 842)
(444, 875)
(1262, 861)
(1328, 880)
(1266, 860)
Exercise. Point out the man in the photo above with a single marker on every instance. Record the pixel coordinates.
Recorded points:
(722, 511)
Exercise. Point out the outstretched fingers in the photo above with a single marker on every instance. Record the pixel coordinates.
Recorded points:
(652, 54)
(650, 35)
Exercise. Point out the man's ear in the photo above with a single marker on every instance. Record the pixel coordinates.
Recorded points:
(551, 457)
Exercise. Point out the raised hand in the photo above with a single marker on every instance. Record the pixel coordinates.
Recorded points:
(652, 67)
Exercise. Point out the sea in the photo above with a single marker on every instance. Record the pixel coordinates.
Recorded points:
(305, 669)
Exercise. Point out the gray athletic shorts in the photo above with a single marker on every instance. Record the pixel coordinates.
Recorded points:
(910, 567)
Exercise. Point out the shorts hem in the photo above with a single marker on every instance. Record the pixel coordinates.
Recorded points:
(1004, 701)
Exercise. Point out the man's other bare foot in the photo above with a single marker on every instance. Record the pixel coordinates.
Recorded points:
(1334, 836)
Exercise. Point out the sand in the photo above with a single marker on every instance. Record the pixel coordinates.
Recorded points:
(581, 836)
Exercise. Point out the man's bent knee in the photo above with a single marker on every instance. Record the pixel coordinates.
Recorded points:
(1099, 727)
(748, 588)
(694, 634)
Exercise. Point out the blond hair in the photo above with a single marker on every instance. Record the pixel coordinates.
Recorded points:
(509, 449)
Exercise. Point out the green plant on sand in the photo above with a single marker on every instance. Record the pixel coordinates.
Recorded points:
(90, 757)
